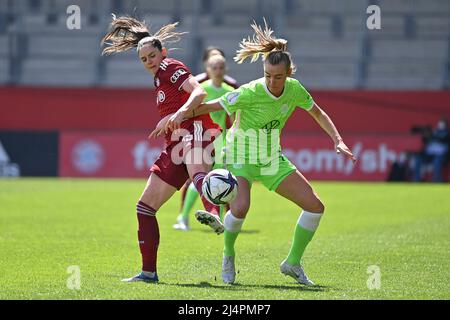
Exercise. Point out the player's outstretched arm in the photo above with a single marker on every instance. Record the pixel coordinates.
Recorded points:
(328, 126)
(183, 114)
(160, 127)
(197, 95)
(204, 108)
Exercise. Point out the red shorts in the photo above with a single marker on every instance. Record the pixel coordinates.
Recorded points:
(170, 166)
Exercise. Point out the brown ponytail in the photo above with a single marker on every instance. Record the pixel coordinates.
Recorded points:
(126, 33)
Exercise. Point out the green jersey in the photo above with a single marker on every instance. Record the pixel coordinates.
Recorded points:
(213, 92)
(254, 137)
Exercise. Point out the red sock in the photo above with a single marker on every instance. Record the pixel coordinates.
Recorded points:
(148, 235)
(198, 180)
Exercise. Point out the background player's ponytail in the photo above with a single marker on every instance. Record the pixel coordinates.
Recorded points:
(126, 33)
(263, 43)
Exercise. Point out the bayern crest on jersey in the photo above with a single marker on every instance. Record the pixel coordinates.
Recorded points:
(161, 96)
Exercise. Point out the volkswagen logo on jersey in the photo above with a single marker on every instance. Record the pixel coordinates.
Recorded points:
(268, 127)
(161, 96)
(177, 75)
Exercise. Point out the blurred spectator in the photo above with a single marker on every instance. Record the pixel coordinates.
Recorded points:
(435, 152)
(400, 169)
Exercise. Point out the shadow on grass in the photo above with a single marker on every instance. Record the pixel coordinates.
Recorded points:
(245, 287)
(241, 232)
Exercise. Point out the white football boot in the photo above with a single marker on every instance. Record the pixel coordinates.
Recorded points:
(228, 270)
(149, 277)
(296, 272)
(182, 224)
(205, 217)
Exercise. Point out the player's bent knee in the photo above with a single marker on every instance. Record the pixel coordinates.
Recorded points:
(320, 207)
(152, 200)
(240, 210)
(315, 205)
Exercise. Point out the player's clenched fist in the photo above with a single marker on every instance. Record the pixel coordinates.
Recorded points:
(174, 121)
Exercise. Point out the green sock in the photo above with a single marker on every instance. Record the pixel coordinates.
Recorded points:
(301, 239)
(222, 212)
(189, 201)
(229, 239)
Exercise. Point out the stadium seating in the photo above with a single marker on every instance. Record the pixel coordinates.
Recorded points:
(329, 41)
(432, 26)
(4, 60)
(4, 46)
(44, 71)
(4, 70)
(406, 75)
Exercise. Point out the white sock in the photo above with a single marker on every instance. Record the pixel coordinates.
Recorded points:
(148, 273)
(309, 221)
(231, 223)
(192, 186)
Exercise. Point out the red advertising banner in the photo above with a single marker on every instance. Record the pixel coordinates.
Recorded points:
(353, 111)
(131, 155)
(107, 154)
(315, 158)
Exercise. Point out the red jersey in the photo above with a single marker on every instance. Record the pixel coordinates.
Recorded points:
(170, 96)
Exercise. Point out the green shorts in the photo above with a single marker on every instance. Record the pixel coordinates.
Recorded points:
(269, 175)
(219, 143)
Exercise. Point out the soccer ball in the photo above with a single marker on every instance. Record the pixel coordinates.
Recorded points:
(220, 186)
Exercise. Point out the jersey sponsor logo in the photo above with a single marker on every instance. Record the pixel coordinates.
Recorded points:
(177, 74)
(161, 96)
(232, 97)
(268, 127)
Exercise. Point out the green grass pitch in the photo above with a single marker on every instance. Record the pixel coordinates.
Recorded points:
(48, 225)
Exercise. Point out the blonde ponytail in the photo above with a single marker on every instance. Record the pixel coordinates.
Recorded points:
(262, 43)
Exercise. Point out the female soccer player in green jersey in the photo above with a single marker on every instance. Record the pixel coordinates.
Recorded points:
(262, 108)
(215, 87)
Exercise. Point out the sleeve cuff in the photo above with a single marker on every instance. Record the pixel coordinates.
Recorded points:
(310, 107)
(182, 84)
(224, 107)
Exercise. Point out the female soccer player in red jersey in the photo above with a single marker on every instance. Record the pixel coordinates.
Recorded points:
(188, 191)
(175, 88)
(215, 87)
